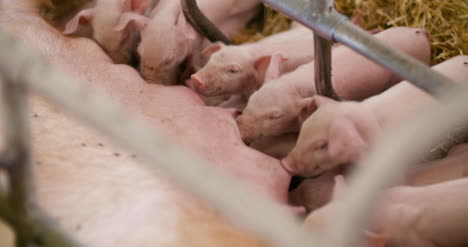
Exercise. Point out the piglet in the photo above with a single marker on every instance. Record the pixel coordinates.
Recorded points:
(426, 216)
(241, 69)
(169, 44)
(454, 166)
(276, 108)
(314, 193)
(276, 146)
(340, 133)
(103, 18)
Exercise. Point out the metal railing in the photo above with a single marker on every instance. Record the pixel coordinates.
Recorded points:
(321, 17)
(28, 70)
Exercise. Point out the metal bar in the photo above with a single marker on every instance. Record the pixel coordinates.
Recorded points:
(201, 23)
(320, 7)
(301, 11)
(43, 230)
(223, 192)
(322, 63)
(322, 50)
(16, 157)
(407, 67)
(17, 196)
(334, 27)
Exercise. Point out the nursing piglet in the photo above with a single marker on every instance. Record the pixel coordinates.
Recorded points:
(103, 18)
(275, 146)
(169, 41)
(340, 133)
(314, 193)
(241, 69)
(426, 216)
(275, 108)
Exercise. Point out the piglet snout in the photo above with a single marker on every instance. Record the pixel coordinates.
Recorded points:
(298, 210)
(197, 83)
(235, 112)
(246, 136)
(287, 165)
(248, 139)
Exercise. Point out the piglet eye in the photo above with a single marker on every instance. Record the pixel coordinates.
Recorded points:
(233, 68)
(321, 145)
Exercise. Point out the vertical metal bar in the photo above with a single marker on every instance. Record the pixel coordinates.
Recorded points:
(201, 23)
(16, 157)
(17, 205)
(322, 62)
(335, 27)
(323, 84)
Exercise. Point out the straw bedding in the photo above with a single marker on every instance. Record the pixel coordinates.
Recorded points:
(445, 20)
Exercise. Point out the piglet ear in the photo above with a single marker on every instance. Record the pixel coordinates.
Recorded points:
(269, 67)
(210, 50)
(310, 104)
(130, 18)
(345, 142)
(275, 68)
(83, 17)
(374, 239)
(322, 100)
(339, 190)
(139, 6)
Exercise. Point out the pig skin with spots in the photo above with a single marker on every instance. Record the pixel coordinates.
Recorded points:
(103, 194)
